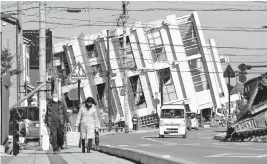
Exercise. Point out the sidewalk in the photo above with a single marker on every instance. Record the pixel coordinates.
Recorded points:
(72, 155)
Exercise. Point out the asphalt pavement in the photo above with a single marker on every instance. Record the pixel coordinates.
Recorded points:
(199, 147)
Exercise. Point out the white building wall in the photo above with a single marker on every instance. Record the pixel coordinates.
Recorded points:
(207, 61)
(142, 51)
(219, 70)
(183, 66)
(170, 61)
(143, 78)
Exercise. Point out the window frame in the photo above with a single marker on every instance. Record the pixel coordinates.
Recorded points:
(157, 57)
(133, 94)
(91, 52)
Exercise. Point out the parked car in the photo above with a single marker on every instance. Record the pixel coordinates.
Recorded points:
(193, 118)
(188, 123)
(28, 122)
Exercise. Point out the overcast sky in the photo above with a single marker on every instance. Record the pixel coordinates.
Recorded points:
(241, 31)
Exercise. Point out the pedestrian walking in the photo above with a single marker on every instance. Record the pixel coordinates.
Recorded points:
(55, 118)
(87, 116)
(135, 122)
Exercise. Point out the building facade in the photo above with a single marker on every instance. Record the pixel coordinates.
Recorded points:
(172, 52)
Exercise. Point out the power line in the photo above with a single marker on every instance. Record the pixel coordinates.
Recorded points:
(157, 9)
(170, 27)
(218, 47)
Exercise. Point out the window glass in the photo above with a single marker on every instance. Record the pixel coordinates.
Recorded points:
(168, 89)
(172, 113)
(198, 74)
(156, 45)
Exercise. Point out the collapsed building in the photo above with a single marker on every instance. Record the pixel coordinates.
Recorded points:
(172, 51)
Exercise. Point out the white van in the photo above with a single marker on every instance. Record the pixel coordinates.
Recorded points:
(172, 121)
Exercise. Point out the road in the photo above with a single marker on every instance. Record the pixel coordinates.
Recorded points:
(198, 147)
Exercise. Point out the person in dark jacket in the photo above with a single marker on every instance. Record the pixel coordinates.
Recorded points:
(56, 116)
(135, 121)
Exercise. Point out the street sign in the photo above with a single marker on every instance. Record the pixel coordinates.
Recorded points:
(78, 72)
(73, 94)
(71, 80)
(229, 72)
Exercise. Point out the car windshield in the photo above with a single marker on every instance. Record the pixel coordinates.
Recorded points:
(191, 115)
(172, 113)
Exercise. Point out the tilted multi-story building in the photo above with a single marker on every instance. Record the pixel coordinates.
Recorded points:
(172, 51)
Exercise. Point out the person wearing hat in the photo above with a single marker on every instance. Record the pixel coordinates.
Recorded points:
(56, 116)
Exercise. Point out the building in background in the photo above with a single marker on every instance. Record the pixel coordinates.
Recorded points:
(172, 51)
(25, 74)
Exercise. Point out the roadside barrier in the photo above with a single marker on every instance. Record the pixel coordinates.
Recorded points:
(140, 157)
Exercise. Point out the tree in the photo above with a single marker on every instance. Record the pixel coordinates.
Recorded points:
(6, 63)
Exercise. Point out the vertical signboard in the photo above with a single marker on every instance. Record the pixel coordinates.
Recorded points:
(33, 36)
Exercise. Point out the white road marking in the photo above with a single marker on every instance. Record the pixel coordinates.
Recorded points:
(123, 145)
(261, 156)
(200, 145)
(238, 155)
(166, 156)
(217, 155)
(170, 144)
(145, 144)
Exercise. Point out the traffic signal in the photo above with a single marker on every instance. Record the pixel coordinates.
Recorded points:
(242, 74)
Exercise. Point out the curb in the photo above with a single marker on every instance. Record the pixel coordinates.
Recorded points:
(130, 132)
(139, 157)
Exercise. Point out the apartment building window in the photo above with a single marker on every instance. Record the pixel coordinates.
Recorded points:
(198, 74)
(156, 45)
(169, 93)
(189, 38)
(96, 70)
(91, 51)
(130, 61)
(137, 97)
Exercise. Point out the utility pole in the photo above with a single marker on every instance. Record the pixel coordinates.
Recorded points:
(19, 52)
(44, 138)
(109, 88)
(124, 19)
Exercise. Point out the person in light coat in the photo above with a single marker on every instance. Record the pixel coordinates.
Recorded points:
(87, 116)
